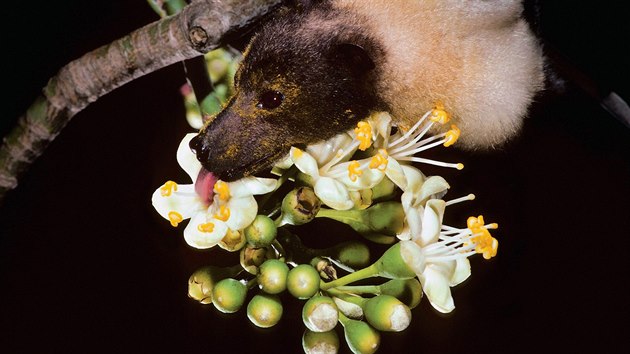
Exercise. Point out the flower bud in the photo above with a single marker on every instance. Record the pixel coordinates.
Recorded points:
(264, 310)
(300, 206)
(272, 276)
(229, 295)
(303, 281)
(384, 190)
(203, 280)
(320, 342)
(353, 254)
(360, 336)
(261, 232)
(320, 314)
(408, 291)
(386, 313)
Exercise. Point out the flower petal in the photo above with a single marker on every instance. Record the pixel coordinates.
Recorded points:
(187, 159)
(367, 179)
(242, 212)
(381, 121)
(412, 254)
(395, 172)
(437, 288)
(431, 186)
(333, 193)
(251, 186)
(415, 178)
(183, 201)
(431, 222)
(335, 148)
(305, 162)
(461, 272)
(196, 237)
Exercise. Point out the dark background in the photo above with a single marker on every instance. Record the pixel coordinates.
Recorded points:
(87, 265)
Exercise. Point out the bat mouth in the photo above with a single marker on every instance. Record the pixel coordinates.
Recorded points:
(253, 167)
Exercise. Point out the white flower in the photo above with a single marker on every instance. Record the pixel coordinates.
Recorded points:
(214, 209)
(419, 189)
(439, 254)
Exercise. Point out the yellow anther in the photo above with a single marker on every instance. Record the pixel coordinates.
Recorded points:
(484, 242)
(439, 115)
(168, 188)
(364, 135)
(175, 218)
(380, 160)
(451, 136)
(222, 190)
(223, 214)
(206, 227)
(459, 166)
(297, 153)
(354, 170)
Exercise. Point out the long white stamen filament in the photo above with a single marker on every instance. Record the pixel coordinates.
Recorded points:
(416, 138)
(339, 155)
(462, 199)
(410, 131)
(397, 153)
(458, 166)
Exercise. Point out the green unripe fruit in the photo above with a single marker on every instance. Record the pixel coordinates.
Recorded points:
(303, 281)
(272, 276)
(261, 232)
(320, 342)
(408, 291)
(203, 280)
(386, 313)
(229, 295)
(320, 314)
(360, 336)
(264, 310)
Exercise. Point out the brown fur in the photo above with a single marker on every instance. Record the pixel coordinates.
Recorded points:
(478, 58)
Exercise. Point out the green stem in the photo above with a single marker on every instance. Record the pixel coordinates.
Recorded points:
(360, 289)
(344, 216)
(361, 274)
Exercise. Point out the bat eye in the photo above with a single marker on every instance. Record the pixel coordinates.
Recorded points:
(270, 100)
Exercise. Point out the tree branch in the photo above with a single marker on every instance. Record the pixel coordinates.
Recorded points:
(197, 29)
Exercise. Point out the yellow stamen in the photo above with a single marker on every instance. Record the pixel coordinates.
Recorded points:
(221, 188)
(168, 188)
(354, 170)
(451, 136)
(223, 214)
(297, 153)
(207, 227)
(379, 161)
(484, 242)
(439, 115)
(364, 135)
(175, 218)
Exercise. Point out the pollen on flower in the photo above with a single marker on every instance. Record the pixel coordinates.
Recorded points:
(379, 161)
(222, 190)
(297, 153)
(364, 135)
(223, 214)
(168, 188)
(354, 170)
(485, 244)
(439, 115)
(205, 227)
(175, 218)
(451, 136)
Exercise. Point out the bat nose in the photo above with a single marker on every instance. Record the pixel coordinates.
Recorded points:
(197, 146)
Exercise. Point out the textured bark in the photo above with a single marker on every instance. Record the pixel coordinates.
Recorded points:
(197, 29)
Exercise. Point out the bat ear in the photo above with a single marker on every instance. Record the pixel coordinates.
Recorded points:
(354, 57)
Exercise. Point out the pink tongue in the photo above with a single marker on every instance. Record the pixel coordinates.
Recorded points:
(204, 186)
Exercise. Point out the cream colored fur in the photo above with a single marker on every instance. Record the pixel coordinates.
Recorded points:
(478, 58)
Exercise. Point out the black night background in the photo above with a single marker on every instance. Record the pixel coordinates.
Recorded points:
(88, 266)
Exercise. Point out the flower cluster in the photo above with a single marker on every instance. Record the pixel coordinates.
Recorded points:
(366, 178)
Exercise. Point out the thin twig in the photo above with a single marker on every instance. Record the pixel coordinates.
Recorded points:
(197, 29)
